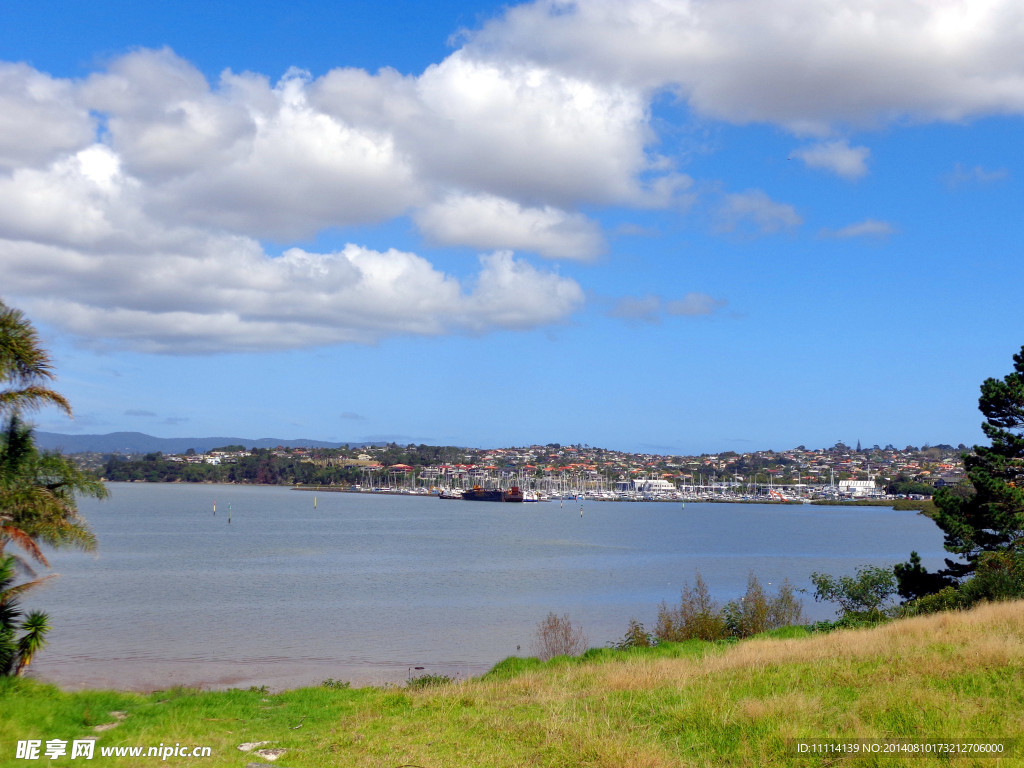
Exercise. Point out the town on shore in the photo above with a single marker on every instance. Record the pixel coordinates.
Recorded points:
(554, 471)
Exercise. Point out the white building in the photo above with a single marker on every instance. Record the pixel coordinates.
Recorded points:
(858, 488)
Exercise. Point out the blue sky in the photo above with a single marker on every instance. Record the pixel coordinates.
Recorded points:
(675, 227)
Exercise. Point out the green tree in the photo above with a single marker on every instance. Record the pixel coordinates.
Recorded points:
(38, 490)
(16, 652)
(991, 518)
(862, 596)
(38, 495)
(25, 366)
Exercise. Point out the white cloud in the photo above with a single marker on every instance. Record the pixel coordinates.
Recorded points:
(521, 130)
(151, 237)
(753, 211)
(40, 118)
(230, 296)
(866, 228)
(805, 66)
(488, 222)
(836, 156)
(246, 157)
(141, 191)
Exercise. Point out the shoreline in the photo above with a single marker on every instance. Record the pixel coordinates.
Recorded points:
(925, 506)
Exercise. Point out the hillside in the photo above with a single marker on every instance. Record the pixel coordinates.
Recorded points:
(929, 679)
(139, 442)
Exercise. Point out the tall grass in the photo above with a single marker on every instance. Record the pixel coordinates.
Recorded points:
(935, 677)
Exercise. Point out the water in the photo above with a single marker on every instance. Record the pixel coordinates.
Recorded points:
(368, 587)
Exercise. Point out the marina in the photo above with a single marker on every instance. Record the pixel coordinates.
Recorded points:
(456, 481)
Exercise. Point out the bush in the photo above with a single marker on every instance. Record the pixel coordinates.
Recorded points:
(330, 682)
(756, 612)
(697, 617)
(636, 637)
(558, 636)
(946, 599)
(863, 597)
(428, 681)
(998, 576)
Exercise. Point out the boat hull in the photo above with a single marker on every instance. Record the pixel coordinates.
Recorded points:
(513, 494)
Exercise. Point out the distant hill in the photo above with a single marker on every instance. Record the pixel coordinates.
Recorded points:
(138, 442)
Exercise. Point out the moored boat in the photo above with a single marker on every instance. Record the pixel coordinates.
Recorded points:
(476, 493)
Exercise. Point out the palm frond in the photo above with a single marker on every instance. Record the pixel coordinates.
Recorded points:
(10, 594)
(32, 398)
(22, 539)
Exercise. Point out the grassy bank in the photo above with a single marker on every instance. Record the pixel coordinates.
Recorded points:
(931, 678)
(926, 506)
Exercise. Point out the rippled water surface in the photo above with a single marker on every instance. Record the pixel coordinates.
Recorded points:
(367, 587)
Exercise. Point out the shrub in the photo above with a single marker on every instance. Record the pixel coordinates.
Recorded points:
(558, 636)
(862, 597)
(785, 609)
(428, 681)
(697, 617)
(636, 637)
(946, 599)
(330, 682)
(756, 612)
(998, 576)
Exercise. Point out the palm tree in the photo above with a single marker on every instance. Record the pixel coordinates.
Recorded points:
(38, 489)
(16, 653)
(24, 366)
(38, 495)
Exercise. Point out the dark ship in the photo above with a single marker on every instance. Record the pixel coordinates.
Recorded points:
(476, 493)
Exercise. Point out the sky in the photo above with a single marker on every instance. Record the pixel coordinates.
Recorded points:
(663, 226)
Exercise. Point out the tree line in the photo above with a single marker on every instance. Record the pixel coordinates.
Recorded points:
(263, 466)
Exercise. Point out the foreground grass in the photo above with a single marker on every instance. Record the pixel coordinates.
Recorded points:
(930, 678)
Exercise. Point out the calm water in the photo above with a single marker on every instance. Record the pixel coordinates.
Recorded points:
(365, 587)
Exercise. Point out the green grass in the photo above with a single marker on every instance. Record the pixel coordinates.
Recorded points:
(679, 704)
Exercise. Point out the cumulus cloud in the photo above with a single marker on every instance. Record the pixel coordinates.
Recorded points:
(151, 236)
(233, 297)
(142, 192)
(804, 66)
(754, 212)
(835, 156)
(80, 232)
(40, 118)
(488, 222)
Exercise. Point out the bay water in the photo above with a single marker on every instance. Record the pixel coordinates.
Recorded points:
(301, 586)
